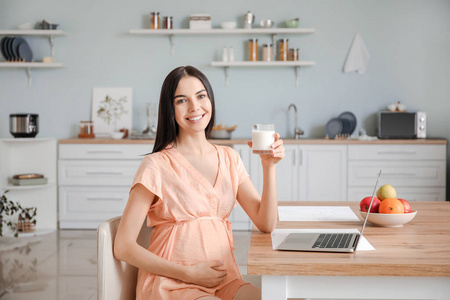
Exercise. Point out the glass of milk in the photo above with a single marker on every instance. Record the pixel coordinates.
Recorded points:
(263, 136)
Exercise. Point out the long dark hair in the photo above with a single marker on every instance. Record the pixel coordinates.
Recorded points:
(167, 130)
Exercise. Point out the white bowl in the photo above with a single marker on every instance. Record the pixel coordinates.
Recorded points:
(267, 23)
(27, 26)
(117, 135)
(389, 220)
(221, 134)
(228, 25)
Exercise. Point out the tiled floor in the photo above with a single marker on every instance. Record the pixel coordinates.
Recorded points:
(62, 265)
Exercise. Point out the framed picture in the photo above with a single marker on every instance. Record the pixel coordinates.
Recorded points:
(111, 110)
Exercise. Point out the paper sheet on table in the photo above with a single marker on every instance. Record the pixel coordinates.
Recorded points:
(316, 213)
(278, 236)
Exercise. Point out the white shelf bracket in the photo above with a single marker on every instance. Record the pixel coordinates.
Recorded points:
(29, 76)
(227, 76)
(274, 46)
(297, 76)
(51, 40)
(172, 44)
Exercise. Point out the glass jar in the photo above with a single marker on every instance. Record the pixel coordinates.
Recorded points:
(283, 46)
(293, 54)
(154, 20)
(168, 22)
(267, 52)
(253, 49)
(86, 129)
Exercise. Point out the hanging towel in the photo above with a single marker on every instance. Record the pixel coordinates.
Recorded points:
(358, 56)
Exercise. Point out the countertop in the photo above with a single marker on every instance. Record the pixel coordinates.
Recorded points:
(302, 141)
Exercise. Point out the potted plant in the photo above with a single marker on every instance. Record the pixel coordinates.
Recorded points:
(26, 217)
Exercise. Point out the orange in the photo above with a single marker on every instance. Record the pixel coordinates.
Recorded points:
(391, 206)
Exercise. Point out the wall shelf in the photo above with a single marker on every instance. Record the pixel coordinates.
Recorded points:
(217, 31)
(251, 64)
(29, 65)
(273, 32)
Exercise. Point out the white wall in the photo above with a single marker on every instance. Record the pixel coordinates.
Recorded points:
(408, 40)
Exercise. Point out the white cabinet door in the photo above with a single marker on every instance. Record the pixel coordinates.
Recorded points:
(323, 173)
(287, 174)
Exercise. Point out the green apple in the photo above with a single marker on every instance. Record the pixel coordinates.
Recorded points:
(386, 191)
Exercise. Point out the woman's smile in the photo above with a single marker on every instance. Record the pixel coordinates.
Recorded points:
(196, 118)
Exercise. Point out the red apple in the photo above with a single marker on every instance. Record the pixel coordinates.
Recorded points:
(407, 206)
(364, 204)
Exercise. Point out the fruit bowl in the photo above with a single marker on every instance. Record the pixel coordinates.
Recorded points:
(389, 220)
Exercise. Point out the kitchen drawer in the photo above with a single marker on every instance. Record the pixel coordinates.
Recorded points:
(101, 151)
(100, 172)
(409, 193)
(397, 173)
(87, 207)
(397, 152)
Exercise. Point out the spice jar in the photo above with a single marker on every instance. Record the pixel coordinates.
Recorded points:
(154, 20)
(167, 22)
(253, 49)
(86, 129)
(267, 52)
(283, 49)
(293, 54)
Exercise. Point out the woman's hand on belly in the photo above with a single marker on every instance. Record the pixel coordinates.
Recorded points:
(208, 274)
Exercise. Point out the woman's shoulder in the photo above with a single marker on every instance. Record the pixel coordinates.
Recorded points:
(155, 158)
(228, 151)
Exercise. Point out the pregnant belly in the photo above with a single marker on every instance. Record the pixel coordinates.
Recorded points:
(199, 240)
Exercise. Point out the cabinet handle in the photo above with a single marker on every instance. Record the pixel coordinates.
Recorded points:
(103, 173)
(397, 152)
(103, 151)
(102, 198)
(399, 174)
(300, 154)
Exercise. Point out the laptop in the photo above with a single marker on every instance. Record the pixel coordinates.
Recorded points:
(326, 242)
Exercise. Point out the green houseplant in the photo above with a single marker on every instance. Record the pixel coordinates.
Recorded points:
(8, 208)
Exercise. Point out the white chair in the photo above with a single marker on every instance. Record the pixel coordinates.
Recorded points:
(116, 280)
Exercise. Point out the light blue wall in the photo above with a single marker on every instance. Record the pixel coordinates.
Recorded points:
(408, 41)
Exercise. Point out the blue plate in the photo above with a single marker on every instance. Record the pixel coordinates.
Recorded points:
(7, 49)
(25, 51)
(334, 127)
(17, 41)
(352, 118)
(3, 48)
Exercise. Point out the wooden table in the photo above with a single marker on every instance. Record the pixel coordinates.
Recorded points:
(410, 262)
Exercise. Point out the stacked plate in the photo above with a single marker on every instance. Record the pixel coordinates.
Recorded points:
(343, 125)
(15, 49)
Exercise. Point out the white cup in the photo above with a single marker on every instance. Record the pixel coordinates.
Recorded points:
(263, 136)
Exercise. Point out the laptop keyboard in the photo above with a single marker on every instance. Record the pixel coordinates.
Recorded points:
(333, 240)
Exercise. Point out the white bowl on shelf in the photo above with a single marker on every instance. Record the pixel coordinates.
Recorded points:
(117, 135)
(228, 25)
(389, 220)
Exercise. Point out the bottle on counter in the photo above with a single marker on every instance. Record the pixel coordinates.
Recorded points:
(253, 49)
(154, 20)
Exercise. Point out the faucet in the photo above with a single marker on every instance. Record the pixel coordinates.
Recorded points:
(297, 131)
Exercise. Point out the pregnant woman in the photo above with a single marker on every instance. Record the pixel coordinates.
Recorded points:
(187, 188)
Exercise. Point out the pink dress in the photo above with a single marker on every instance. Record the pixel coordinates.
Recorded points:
(190, 220)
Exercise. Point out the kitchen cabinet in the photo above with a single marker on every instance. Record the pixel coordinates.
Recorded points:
(31, 155)
(94, 181)
(273, 32)
(308, 173)
(417, 172)
(50, 34)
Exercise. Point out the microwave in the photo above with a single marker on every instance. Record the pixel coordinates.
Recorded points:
(402, 125)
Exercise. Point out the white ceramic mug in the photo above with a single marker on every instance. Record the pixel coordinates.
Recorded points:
(263, 136)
